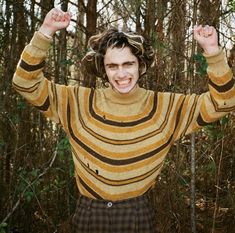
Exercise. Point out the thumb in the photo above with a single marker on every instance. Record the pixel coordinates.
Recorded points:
(196, 31)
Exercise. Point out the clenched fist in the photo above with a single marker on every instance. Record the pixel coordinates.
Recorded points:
(55, 20)
(207, 38)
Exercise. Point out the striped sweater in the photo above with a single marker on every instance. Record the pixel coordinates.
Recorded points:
(119, 141)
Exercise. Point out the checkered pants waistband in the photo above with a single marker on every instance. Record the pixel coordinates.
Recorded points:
(103, 204)
(134, 215)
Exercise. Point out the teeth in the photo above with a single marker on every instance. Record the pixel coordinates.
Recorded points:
(123, 82)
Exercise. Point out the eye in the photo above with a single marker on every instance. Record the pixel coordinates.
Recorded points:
(112, 66)
(128, 64)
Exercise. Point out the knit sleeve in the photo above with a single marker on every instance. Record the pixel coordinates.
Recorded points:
(197, 111)
(30, 82)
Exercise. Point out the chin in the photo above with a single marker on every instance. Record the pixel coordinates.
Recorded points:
(125, 90)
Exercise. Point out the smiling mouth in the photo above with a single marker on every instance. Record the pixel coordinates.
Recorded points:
(124, 82)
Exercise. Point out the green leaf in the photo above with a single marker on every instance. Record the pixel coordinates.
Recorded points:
(63, 147)
(211, 167)
(28, 196)
(15, 118)
(34, 173)
(21, 105)
(2, 227)
(224, 120)
(66, 62)
(231, 4)
(4, 224)
(201, 60)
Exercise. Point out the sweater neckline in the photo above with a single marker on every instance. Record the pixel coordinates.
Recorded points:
(134, 96)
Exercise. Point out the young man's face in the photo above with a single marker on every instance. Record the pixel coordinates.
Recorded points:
(122, 69)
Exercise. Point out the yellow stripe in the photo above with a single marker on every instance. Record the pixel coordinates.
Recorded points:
(205, 114)
(191, 110)
(82, 190)
(221, 80)
(62, 104)
(223, 96)
(41, 93)
(114, 129)
(24, 89)
(119, 169)
(112, 196)
(128, 118)
(122, 182)
(138, 139)
(92, 185)
(31, 60)
(27, 75)
(108, 153)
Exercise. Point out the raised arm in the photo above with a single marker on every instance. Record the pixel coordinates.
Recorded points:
(199, 110)
(29, 80)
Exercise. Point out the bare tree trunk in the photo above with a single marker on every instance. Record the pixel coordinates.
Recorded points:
(63, 66)
(138, 19)
(91, 18)
(193, 151)
(149, 18)
(193, 194)
(178, 32)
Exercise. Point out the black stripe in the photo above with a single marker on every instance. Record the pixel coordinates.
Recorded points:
(145, 176)
(201, 122)
(220, 109)
(178, 116)
(91, 172)
(30, 68)
(121, 124)
(113, 161)
(54, 91)
(125, 141)
(91, 191)
(192, 112)
(228, 86)
(45, 105)
(28, 89)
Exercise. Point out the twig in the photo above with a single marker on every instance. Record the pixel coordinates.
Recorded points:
(217, 187)
(21, 196)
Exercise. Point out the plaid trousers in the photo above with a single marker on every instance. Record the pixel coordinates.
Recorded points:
(134, 215)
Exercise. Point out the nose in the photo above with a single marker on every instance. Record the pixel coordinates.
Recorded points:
(121, 72)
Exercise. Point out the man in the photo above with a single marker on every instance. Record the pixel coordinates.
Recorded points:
(120, 135)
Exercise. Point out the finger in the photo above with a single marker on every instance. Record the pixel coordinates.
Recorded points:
(210, 30)
(67, 16)
(206, 31)
(58, 17)
(197, 31)
(57, 14)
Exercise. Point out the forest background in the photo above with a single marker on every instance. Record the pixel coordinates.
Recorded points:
(196, 189)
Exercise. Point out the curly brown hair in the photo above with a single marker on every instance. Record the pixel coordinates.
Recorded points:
(93, 61)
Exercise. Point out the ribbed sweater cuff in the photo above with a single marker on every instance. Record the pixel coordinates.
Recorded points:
(217, 64)
(216, 57)
(40, 41)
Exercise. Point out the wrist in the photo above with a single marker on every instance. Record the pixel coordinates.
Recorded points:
(46, 32)
(211, 50)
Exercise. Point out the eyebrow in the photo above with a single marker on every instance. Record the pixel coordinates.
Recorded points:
(127, 62)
